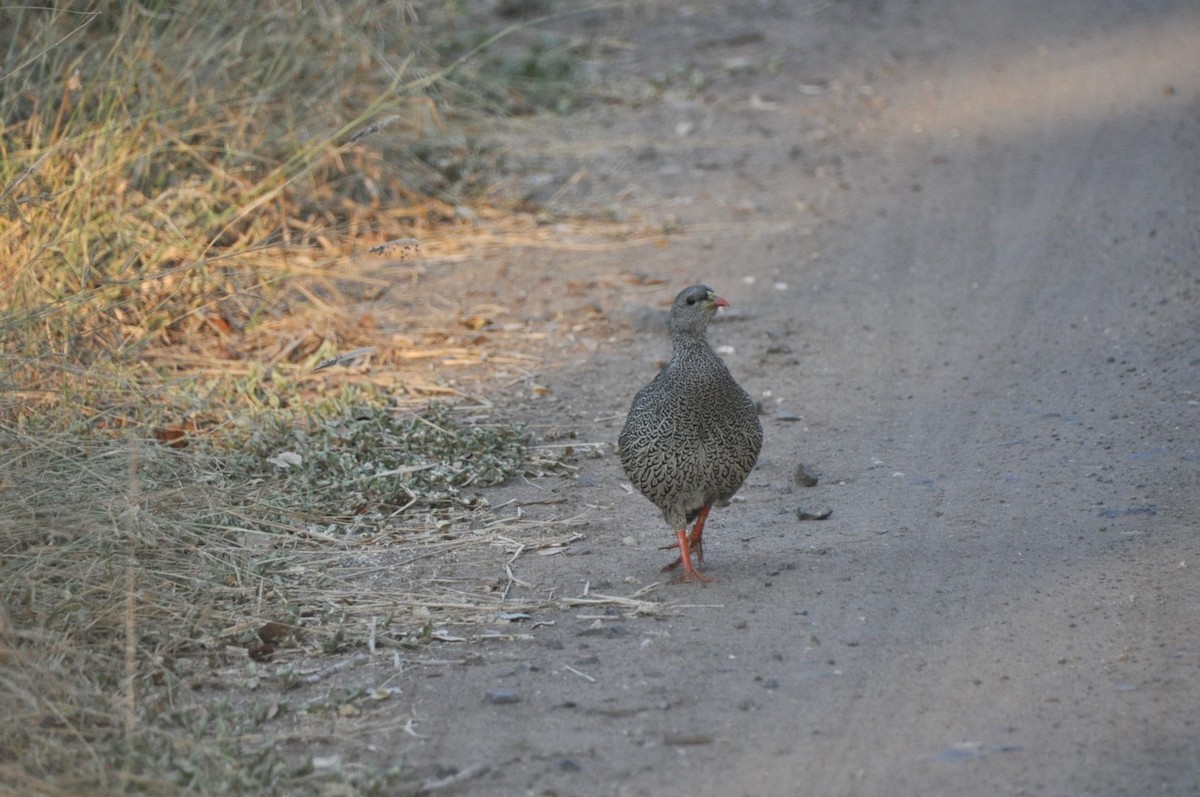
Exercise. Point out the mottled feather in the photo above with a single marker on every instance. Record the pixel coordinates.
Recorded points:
(692, 434)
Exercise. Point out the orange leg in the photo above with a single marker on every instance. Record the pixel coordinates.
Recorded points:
(695, 543)
(685, 556)
(687, 544)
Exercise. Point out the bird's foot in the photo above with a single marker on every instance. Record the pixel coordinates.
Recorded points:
(694, 575)
(690, 573)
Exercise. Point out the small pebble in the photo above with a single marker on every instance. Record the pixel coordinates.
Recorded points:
(813, 511)
(564, 764)
(502, 697)
(805, 476)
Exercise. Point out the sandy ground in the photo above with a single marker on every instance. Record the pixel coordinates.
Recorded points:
(962, 245)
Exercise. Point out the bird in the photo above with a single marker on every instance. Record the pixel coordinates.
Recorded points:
(692, 434)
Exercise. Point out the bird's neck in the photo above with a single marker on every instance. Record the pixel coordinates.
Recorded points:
(684, 345)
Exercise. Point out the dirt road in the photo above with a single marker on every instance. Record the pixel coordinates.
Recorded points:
(962, 244)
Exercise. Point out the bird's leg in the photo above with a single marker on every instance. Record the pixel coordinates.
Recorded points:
(695, 541)
(685, 557)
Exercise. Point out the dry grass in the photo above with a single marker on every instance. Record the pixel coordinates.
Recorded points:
(131, 569)
(174, 177)
(181, 494)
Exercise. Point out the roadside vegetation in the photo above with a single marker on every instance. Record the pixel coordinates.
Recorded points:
(182, 186)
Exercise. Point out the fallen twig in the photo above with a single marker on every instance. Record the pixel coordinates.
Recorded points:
(582, 675)
(436, 784)
(325, 672)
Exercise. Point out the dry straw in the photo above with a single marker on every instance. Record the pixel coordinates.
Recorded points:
(184, 501)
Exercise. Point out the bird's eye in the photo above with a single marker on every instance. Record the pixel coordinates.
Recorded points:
(691, 300)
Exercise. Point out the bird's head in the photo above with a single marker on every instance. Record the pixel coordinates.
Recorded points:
(693, 308)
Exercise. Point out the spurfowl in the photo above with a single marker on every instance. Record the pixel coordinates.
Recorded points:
(692, 434)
